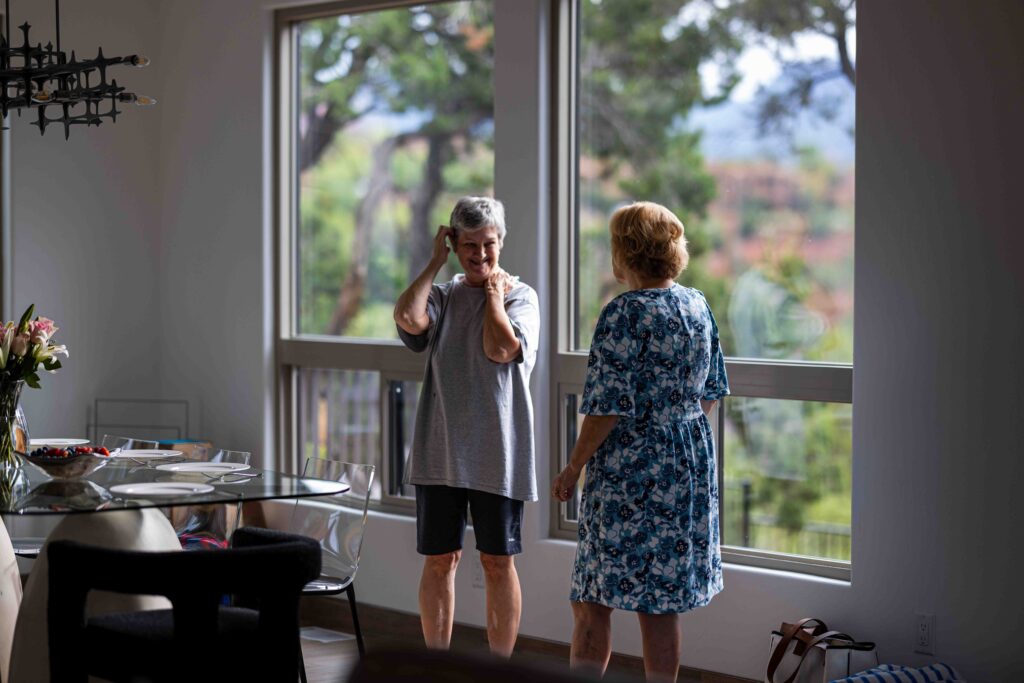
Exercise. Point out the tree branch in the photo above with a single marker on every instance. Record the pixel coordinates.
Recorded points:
(838, 16)
(439, 151)
(350, 297)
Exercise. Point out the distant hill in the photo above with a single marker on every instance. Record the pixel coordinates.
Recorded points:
(730, 129)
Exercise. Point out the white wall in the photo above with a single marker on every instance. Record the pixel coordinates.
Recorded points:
(215, 280)
(937, 393)
(937, 368)
(86, 222)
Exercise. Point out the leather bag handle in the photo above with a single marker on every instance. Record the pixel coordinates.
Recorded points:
(817, 640)
(789, 631)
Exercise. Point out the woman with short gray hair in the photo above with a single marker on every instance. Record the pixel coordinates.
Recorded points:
(473, 213)
(473, 441)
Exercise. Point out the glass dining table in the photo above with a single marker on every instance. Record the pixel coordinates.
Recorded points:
(125, 483)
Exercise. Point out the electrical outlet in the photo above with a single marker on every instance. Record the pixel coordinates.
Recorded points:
(924, 634)
(478, 572)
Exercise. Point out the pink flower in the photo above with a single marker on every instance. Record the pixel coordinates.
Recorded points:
(41, 329)
(19, 345)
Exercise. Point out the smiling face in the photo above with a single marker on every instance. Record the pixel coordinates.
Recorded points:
(478, 252)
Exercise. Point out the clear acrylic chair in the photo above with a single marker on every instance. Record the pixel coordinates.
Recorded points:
(112, 443)
(337, 523)
(209, 526)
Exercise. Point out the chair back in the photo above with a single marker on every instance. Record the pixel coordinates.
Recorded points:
(268, 567)
(201, 527)
(336, 522)
(418, 665)
(112, 442)
(212, 454)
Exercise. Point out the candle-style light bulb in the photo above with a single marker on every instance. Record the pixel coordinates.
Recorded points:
(40, 94)
(144, 101)
(139, 60)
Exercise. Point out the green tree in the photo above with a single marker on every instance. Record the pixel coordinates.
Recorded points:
(397, 62)
(640, 78)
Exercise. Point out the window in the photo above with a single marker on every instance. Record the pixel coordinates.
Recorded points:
(736, 117)
(741, 121)
(339, 416)
(386, 116)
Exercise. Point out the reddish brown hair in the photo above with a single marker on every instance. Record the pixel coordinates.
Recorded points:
(648, 240)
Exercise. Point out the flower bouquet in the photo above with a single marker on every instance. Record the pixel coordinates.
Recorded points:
(25, 347)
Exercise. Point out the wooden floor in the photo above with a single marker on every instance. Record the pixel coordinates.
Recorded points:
(383, 628)
(328, 661)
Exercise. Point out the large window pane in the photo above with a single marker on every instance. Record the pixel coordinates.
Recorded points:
(740, 119)
(787, 477)
(395, 120)
(339, 417)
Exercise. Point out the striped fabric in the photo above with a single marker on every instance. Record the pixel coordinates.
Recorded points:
(888, 673)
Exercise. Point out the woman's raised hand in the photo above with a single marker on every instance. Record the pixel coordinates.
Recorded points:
(500, 282)
(565, 483)
(441, 248)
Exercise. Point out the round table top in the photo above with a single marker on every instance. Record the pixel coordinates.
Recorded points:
(124, 483)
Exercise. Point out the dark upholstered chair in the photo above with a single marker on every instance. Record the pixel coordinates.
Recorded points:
(200, 638)
(437, 666)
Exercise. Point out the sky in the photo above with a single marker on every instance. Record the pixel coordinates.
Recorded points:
(760, 66)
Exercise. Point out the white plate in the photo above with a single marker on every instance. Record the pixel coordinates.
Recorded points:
(57, 443)
(203, 467)
(161, 489)
(143, 453)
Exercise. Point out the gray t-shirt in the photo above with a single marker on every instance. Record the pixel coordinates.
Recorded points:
(474, 424)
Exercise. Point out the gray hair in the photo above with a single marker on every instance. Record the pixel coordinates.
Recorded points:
(475, 213)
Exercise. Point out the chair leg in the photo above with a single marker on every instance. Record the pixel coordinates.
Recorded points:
(302, 664)
(351, 592)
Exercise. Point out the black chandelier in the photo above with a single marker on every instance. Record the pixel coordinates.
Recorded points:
(44, 78)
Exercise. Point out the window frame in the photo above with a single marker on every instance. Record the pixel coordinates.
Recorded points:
(754, 378)
(748, 378)
(293, 351)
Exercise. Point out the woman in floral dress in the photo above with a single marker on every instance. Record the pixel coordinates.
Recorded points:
(648, 530)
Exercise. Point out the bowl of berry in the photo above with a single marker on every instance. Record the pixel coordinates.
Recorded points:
(72, 462)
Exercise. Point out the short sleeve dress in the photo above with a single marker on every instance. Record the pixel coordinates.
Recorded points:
(648, 530)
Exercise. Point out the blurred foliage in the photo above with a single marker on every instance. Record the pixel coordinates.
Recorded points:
(372, 84)
(397, 62)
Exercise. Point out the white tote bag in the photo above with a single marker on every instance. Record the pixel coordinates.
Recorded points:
(807, 652)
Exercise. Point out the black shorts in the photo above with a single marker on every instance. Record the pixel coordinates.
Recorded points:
(441, 521)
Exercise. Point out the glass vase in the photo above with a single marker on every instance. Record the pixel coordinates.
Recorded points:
(14, 436)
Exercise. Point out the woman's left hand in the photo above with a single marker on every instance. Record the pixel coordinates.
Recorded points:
(565, 483)
(500, 283)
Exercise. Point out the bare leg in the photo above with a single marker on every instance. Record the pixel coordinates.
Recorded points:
(662, 637)
(504, 602)
(591, 637)
(437, 598)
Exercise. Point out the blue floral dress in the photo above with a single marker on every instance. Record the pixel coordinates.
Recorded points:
(648, 531)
